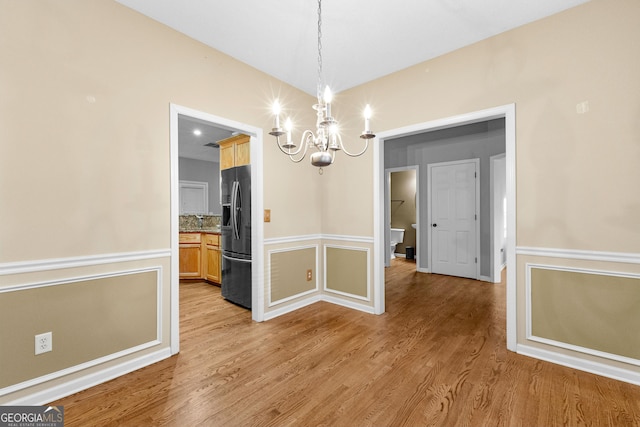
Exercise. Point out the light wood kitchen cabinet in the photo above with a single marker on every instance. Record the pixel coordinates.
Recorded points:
(213, 258)
(190, 255)
(235, 151)
(201, 256)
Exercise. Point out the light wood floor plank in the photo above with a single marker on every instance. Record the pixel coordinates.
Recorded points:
(436, 357)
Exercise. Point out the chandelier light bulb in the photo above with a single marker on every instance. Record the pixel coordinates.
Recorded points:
(367, 117)
(328, 96)
(276, 112)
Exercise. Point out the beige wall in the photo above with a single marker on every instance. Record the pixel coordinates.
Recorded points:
(84, 120)
(576, 163)
(574, 172)
(85, 92)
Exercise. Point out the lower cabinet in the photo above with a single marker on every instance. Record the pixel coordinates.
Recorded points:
(190, 256)
(200, 257)
(213, 258)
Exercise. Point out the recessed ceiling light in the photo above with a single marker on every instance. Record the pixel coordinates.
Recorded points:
(197, 132)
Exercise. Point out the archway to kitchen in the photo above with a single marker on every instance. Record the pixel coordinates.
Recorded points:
(257, 204)
(506, 112)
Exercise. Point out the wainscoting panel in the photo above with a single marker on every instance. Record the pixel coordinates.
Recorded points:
(590, 311)
(92, 320)
(288, 269)
(347, 271)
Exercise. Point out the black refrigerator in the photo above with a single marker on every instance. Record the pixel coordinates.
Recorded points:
(236, 235)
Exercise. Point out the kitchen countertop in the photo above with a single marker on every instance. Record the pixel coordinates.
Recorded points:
(214, 230)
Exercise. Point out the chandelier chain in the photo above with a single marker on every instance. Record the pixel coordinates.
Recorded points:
(319, 88)
(326, 139)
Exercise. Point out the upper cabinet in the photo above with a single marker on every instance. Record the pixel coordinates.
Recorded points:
(235, 151)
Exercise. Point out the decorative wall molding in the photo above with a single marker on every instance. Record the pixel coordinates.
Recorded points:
(620, 257)
(110, 357)
(292, 239)
(345, 294)
(316, 237)
(341, 238)
(82, 261)
(296, 296)
(560, 344)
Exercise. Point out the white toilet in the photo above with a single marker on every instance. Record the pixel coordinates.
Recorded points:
(396, 235)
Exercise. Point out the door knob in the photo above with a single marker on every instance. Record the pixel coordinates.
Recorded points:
(434, 225)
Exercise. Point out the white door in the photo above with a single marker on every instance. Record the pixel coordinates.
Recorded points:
(454, 218)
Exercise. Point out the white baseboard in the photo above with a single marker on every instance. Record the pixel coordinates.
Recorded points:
(292, 307)
(581, 364)
(348, 304)
(87, 381)
(314, 299)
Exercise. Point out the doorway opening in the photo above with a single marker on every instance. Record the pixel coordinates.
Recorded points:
(507, 113)
(225, 126)
(402, 190)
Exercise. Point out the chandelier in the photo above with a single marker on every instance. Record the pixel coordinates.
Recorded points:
(326, 139)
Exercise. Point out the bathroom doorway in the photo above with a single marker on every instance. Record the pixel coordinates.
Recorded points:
(402, 194)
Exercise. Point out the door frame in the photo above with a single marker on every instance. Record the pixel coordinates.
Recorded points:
(507, 112)
(430, 167)
(257, 206)
(496, 257)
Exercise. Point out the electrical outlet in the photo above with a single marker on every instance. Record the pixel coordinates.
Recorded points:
(309, 275)
(44, 343)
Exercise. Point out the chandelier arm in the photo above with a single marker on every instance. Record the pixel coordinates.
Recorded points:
(342, 147)
(303, 144)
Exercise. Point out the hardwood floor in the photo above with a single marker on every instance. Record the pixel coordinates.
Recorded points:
(436, 357)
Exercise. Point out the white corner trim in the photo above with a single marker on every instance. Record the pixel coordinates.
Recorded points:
(87, 381)
(82, 261)
(581, 364)
(621, 257)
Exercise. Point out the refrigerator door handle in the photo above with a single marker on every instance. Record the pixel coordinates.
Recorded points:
(238, 211)
(236, 259)
(235, 208)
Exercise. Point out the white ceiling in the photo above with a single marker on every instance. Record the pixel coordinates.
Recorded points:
(194, 146)
(362, 39)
